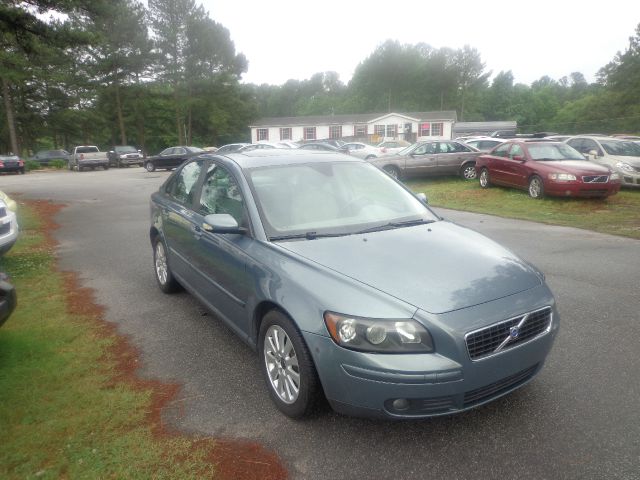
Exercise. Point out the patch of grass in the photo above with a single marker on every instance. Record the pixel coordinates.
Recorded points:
(63, 411)
(58, 164)
(616, 215)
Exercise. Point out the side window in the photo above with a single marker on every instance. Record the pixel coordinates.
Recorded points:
(516, 150)
(221, 194)
(502, 150)
(182, 187)
(179, 151)
(444, 148)
(579, 144)
(591, 145)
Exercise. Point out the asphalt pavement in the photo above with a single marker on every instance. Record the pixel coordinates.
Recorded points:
(579, 419)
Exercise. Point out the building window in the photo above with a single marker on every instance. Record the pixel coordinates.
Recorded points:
(309, 133)
(392, 131)
(285, 134)
(263, 134)
(379, 130)
(335, 131)
(360, 131)
(425, 129)
(436, 129)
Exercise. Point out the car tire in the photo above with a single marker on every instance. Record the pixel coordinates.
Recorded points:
(166, 281)
(392, 171)
(468, 171)
(150, 167)
(536, 187)
(287, 366)
(484, 179)
(105, 167)
(21, 171)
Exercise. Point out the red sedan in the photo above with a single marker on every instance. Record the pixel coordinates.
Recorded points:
(545, 168)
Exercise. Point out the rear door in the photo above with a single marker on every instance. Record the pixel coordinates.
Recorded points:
(497, 163)
(451, 155)
(178, 222)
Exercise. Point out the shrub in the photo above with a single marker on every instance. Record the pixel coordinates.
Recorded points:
(58, 164)
(31, 165)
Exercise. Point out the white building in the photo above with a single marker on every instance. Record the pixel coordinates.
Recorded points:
(373, 128)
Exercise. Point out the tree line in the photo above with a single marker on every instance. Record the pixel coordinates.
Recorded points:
(111, 72)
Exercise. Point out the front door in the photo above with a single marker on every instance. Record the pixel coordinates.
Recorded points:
(220, 259)
(423, 160)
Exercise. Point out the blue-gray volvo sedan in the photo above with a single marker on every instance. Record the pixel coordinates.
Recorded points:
(349, 286)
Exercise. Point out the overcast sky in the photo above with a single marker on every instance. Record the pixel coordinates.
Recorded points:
(293, 39)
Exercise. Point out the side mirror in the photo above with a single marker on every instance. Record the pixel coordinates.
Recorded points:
(519, 158)
(422, 197)
(593, 153)
(222, 223)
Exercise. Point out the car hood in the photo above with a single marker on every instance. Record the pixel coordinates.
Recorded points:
(437, 267)
(581, 167)
(633, 161)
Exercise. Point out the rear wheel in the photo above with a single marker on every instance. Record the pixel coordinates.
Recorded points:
(106, 167)
(484, 180)
(536, 187)
(150, 167)
(392, 171)
(468, 171)
(166, 280)
(287, 366)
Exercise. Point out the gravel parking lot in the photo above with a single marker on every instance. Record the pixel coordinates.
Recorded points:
(580, 419)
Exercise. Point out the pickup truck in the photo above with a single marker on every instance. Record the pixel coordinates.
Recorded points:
(87, 156)
(125, 155)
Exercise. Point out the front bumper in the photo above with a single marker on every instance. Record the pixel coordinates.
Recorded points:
(8, 232)
(440, 383)
(131, 161)
(582, 190)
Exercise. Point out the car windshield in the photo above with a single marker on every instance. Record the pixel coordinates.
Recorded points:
(125, 149)
(548, 152)
(339, 198)
(194, 149)
(623, 149)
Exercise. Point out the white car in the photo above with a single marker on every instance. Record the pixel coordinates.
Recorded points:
(621, 156)
(361, 150)
(484, 144)
(390, 147)
(8, 228)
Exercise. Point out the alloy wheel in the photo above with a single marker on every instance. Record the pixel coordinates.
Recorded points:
(161, 264)
(282, 366)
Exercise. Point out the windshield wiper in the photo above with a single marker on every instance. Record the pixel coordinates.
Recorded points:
(390, 225)
(306, 235)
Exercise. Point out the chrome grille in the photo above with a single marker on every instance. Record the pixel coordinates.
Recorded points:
(5, 228)
(595, 178)
(508, 334)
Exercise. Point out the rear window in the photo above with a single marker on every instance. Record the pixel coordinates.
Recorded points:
(87, 149)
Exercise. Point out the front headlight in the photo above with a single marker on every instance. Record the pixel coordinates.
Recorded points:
(562, 177)
(378, 335)
(624, 166)
(614, 177)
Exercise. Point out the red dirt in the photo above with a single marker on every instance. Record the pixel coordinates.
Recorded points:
(233, 459)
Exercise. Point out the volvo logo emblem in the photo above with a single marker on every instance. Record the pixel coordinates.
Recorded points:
(514, 332)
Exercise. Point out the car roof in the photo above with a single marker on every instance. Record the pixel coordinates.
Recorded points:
(280, 157)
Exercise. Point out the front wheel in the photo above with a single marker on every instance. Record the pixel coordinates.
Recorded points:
(536, 187)
(105, 167)
(287, 366)
(468, 171)
(150, 167)
(166, 280)
(484, 180)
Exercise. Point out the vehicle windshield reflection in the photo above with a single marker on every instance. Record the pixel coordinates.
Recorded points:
(326, 199)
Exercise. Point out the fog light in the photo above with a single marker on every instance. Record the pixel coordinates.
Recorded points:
(376, 334)
(400, 404)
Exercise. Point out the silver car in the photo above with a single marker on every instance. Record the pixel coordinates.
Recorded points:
(348, 286)
(431, 158)
(621, 156)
